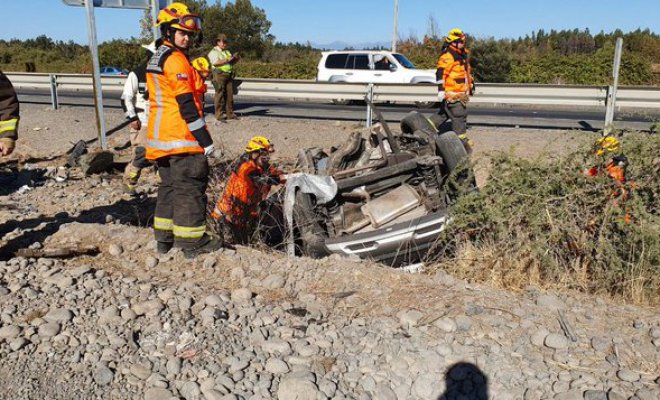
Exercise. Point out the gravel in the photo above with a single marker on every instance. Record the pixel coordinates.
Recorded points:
(249, 324)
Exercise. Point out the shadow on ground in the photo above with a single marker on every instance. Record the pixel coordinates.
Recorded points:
(135, 212)
(465, 381)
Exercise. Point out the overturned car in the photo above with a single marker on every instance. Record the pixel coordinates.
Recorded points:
(382, 197)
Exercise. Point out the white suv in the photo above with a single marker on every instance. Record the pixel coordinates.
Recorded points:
(369, 66)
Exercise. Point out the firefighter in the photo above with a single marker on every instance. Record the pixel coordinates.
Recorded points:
(9, 110)
(135, 102)
(455, 83)
(222, 62)
(248, 185)
(614, 164)
(203, 70)
(178, 140)
(609, 148)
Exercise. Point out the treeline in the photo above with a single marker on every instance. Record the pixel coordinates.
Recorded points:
(558, 57)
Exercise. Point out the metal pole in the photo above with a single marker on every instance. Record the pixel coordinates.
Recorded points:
(611, 93)
(98, 94)
(154, 16)
(395, 34)
(370, 100)
(53, 91)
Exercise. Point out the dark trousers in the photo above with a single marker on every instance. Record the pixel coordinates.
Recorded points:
(181, 204)
(456, 111)
(224, 94)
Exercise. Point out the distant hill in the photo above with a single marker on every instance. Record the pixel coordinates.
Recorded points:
(339, 45)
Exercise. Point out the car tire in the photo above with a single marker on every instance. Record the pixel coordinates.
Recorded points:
(308, 228)
(451, 149)
(415, 121)
(457, 163)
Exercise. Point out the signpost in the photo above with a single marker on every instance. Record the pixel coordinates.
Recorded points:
(89, 5)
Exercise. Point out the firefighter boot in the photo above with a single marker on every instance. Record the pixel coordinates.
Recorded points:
(164, 247)
(211, 245)
(131, 177)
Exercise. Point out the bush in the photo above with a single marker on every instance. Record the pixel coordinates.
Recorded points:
(546, 223)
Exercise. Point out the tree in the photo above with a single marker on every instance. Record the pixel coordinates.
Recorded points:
(246, 26)
(491, 60)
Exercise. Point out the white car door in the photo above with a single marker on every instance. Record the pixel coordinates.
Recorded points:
(384, 69)
(359, 68)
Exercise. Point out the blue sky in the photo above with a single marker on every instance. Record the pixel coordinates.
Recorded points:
(355, 21)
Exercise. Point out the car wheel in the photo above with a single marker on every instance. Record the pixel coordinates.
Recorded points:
(461, 175)
(308, 228)
(415, 121)
(451, 149)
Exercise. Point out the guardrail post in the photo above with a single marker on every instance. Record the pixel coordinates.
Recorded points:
(53, 91)
(370, 99)
(611, 91)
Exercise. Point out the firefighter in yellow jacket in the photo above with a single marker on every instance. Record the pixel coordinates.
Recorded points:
(9, 109)
(178, 140)
(454, 78)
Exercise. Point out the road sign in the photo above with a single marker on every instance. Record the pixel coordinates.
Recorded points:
(139, 4)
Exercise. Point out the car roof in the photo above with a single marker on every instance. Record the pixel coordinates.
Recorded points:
(357, 52)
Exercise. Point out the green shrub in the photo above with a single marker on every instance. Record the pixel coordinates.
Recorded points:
(544, 222)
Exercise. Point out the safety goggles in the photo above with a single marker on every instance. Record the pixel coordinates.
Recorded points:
(190, 22)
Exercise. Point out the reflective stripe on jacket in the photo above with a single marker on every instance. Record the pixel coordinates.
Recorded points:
(170, 75)
(454, 73)
(9, 109)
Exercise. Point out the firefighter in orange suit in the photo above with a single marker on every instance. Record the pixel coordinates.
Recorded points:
(613, 163)
(203, 70)
(178, 140)
(248, 185)
(9, 116)
(455, 83)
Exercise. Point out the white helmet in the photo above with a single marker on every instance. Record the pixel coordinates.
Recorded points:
(151, 47)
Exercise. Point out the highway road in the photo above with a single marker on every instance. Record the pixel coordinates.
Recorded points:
(500, 116)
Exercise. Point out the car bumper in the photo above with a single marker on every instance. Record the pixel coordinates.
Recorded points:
(403, 243)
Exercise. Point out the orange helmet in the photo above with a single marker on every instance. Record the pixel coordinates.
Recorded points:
(178, 16)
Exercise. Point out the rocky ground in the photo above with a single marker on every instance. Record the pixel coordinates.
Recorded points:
(251, 323)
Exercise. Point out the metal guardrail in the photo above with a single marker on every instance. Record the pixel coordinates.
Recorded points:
(491, 93)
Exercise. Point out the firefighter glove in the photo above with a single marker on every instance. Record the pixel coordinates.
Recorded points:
(208, 150)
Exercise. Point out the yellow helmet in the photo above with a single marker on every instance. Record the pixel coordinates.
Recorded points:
(202, 65)
(178, 16)
(608, 144)
(455, 34)
(259, 143)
